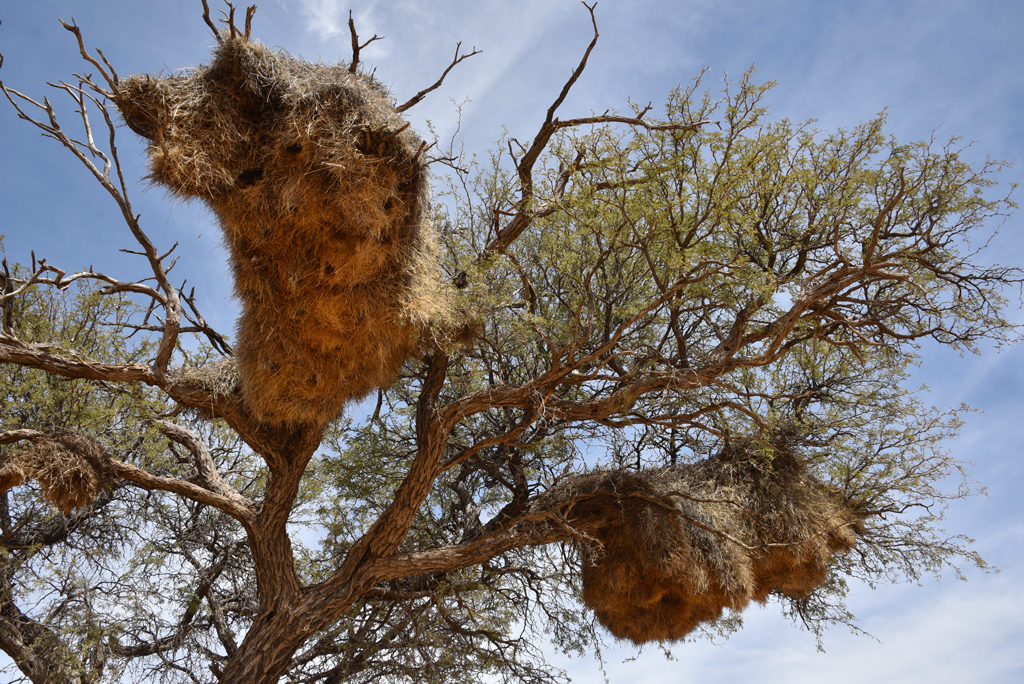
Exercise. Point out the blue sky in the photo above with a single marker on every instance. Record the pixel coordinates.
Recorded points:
(944, 67)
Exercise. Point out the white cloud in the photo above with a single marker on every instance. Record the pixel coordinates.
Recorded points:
(326, 18)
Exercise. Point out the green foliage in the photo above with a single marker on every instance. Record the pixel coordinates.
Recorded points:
(93, 583)
(810, 264)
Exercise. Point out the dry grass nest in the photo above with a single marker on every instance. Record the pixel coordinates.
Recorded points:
(321, 190)
(668, 549)
(70, 468)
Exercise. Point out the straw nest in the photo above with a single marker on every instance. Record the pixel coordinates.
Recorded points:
(321, 190)
(70, 468)
(665, 550)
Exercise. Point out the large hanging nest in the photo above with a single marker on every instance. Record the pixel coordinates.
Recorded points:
(321, 190)
(70, 468)
(677, 546)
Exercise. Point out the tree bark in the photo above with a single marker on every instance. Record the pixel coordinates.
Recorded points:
(267, 650)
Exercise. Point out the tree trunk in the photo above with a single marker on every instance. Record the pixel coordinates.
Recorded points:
(36, 650)
(267, 650)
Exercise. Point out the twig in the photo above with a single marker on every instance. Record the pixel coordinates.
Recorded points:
(209, 21)
(356, 46)
(418, 97)
(111, 77)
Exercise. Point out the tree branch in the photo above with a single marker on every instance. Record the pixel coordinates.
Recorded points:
(236, 506)
(356, 46)
(418, 97)
(12, 436)
(525, 211)
(86, 152)
(209, 21)
(207, 474)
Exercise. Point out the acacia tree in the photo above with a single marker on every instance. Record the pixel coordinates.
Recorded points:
(664, 381)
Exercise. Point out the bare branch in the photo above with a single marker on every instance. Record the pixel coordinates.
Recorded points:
(62, 281)
(637, 121)
(249, 12)
(229, 19)
(236, 506)
(6, 300)
(209, 21)
(356, 45)
(418, 97)
(216, 339)
(86, 153)
(12, 436)
(106, 71)
(207, 476)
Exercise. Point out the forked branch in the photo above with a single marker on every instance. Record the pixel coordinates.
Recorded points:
(418, 97)
(105, 166)
(229, 20)
(207, 475)
(105, 69)
(526, 211)
(356, 45)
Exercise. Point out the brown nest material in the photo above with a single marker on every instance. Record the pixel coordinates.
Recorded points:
(218, 381)
(677, 546)
(321, 190)
(70, 468)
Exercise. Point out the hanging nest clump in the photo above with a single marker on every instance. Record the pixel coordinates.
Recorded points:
(677, 546)
(321, 190)
(70, 468)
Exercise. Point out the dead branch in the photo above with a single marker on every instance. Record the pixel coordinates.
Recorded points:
(12, 436)
(356, 45)
(249, 12)
(229, 19)
(86, 152)
(525, 212)
(418, 97)
(6, 300)
(61, 281)
(105, 69)
(209, 21)
(216, 339)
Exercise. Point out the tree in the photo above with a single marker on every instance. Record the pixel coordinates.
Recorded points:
(669, 345)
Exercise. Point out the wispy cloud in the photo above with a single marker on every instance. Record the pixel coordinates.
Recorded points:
(326, 18)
